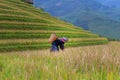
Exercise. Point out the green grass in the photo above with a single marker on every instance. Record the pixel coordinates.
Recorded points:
(22, 19)
(4, 11)
(22, 47)
(35, 27)
(5, 7)
(38, 35)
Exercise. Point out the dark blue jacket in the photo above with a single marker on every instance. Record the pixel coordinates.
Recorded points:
(56, 44)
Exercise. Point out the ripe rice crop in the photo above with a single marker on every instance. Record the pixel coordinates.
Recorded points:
(81, 63)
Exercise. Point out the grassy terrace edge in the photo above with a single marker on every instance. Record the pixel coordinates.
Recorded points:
(39, 46)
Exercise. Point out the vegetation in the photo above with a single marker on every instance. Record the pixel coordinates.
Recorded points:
(82, 63)
(24, 27)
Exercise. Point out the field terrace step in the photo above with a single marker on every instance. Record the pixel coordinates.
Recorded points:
(42, 35)
(86, 43)
(23, 47)
(42, 43)
(16, 15)
(20, 41)
(44, 31)
(35, 46)
(4, 6)
(22, 19)
(6, 11)
(14, 25)
(3, 22)
(58, 33)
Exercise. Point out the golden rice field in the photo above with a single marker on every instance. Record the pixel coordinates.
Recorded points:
(101, 62)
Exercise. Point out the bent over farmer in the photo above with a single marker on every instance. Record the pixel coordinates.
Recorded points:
(58, 43)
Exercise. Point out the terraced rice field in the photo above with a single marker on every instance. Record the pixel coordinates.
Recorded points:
(24, 27)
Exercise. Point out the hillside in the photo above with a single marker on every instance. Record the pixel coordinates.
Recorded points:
(89, 14)
(24, 27)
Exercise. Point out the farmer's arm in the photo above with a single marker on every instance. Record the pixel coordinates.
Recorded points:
(62, 46)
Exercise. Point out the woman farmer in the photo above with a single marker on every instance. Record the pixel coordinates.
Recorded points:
(58, 43)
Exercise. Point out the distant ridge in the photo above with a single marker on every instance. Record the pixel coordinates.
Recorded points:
(23, 27)
(94, 15)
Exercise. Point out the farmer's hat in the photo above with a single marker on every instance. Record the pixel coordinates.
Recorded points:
(64, 39)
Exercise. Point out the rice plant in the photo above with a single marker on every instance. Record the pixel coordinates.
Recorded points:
(79, 63)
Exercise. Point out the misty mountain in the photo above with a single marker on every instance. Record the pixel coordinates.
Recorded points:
(111, 3)
(89, 14)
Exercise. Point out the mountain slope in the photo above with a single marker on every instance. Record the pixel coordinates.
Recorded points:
(91, 15)
(23, 27)
(111, 3)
